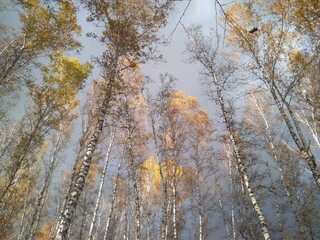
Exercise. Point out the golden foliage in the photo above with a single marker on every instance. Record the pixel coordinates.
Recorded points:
(44, 232)
(44, 29)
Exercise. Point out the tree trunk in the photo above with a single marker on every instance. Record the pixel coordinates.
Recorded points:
(218, 188)
(34, 222)
(293, 127)
(174, 204)
(164, 218)
(135, 186)
(114, 192)
(94, 217)
(232, 206)
(241, 168)
(275, 157)
(200, 207)
(73, 197)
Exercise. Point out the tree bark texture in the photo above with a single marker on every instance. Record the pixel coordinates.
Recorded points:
(77, 189)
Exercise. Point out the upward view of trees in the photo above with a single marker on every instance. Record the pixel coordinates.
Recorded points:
(138, 158)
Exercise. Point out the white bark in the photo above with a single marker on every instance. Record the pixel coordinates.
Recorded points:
(73, 197)
(291, 122)
(278, 162)
(114, 195)
(231, 191)
(135, 186)
(241, 168)
(222, 211)
(174, 204)
(164, 210)
(94, 217)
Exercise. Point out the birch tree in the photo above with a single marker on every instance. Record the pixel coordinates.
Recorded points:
(129, 32)
(259, 113)
(42, 32)
(202, 51)
(52, 111)
(269, 50)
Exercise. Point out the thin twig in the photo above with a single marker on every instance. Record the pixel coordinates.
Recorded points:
(179, 22)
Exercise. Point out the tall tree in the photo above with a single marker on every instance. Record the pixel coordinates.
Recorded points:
(129, 32)
(202, 51)
(43, 30)
(272, 49)
(53, 109)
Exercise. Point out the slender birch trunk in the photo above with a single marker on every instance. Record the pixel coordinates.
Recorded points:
(148, 225)
(163, 226)
(291, 122)
(94, 217)
(135, 186)
(296, 133)
(34, 222)
(222, 210)
(174, 204)
(164, 210)
(229, 166)
(234, 234)
(114, 196)
(290, 197)
(25, 212)
(126, 224)
(241, 168)
(73, 197)
(200, 207)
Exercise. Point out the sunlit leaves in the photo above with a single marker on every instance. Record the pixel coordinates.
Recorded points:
(63, 77)
(150, 177)
(44, 28)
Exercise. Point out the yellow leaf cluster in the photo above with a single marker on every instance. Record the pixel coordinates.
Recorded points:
(45, 29)
(150, 175)
(63, 77)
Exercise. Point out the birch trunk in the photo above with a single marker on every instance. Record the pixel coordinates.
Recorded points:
(94, 217)
(290, 197)
(84, 217)
(241, 168)
(34, 222)
(223, 212)
(200, 207)
(163, 226)
(296, 133)
(174, 204)
(229, 157)
(114, 192)
(135, 187)
(126, 224)
(61, 209)
(25, 212)
(291, 122)
(164, 218)
(73, 197)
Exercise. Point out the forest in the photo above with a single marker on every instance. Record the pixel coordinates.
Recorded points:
(100, 149)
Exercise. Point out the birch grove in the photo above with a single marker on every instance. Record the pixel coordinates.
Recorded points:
(119, 148)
